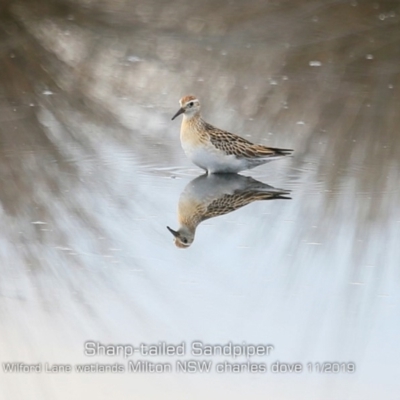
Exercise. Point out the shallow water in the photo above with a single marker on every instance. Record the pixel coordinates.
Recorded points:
(93, 172)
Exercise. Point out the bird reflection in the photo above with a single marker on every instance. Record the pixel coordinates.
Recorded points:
(209, 196)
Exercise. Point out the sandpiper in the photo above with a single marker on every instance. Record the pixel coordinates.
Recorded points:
(218, 151)
(210, 196)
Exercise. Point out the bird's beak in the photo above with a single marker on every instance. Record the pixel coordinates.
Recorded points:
(175, 233)
(180, 111)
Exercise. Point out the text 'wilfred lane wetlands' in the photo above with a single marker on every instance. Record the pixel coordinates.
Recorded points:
(143, 366)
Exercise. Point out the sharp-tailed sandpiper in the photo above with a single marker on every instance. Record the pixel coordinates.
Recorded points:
(218, 151)
(210, 196)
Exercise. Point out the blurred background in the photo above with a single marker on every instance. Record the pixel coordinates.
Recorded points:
(92, 171)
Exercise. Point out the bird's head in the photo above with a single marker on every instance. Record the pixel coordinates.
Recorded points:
(190, 106)
(182, 238)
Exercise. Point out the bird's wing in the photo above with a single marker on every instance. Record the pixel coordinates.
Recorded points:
(231, 202)
(235, 145)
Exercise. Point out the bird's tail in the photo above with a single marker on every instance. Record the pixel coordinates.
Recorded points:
(270, 195)
(281, 152)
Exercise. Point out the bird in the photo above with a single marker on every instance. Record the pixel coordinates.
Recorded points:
(216, 150)
(211, 195)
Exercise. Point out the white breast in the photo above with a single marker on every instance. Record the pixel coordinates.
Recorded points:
(213, 160)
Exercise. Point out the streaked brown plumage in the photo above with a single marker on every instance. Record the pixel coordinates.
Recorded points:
(211, 196)
(216, 150)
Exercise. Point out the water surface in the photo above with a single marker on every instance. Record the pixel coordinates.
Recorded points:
(92, 172)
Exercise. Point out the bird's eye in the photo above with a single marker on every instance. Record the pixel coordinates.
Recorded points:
(184, 240)
(191, 104)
